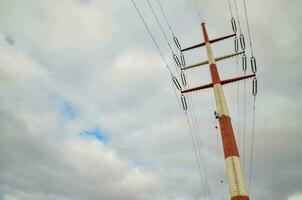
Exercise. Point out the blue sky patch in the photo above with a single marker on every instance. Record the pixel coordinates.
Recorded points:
(67, 110)
(96, 134)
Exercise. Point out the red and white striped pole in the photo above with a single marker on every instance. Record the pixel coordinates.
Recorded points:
(235, 175)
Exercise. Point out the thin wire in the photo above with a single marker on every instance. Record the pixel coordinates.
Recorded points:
(230, 7)
(237, 15)
(201, 159)
(199, 145)
(160, 26)
(198, 160)
(244, 98)
(164, 34)
(238, 105)
(238, 97)
(203, 185)
(152, 37)
(244, 122)
(252, 145)
(165, 16)
(200, 148)
(248, 28)
(254, 105)
(167, 21)
(198, 10)
(178, 100)
(253, 127)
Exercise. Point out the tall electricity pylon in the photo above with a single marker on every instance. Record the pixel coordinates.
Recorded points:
(236, 180)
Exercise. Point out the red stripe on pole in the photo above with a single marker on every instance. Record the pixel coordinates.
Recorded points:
(228, 138)
(205, 33)
(214, 74)
(240, 198)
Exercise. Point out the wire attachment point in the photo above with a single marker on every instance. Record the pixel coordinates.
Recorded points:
(242, 41)
(176, 83)
(244, 63)
(234, 26)
(184, 102)
(236, 44)
(255, 86)
(176, 59)
(183, 61)
(177, 43)
(253, 64)
(183, 78)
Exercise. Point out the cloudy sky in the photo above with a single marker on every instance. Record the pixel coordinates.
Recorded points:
(87, 108)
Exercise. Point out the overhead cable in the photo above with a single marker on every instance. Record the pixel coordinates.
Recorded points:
(152, 37)
(165, 16)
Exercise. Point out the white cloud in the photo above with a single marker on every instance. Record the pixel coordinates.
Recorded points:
(295, 197)
(96, 56)
(56, 27)
(15, 63)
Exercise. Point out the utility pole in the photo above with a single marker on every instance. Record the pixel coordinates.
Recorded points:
(236, 180)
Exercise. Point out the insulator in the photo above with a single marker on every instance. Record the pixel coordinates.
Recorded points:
(176, 43)
(254, 86)
(176, 60)
(176, 83)
(183, 78)
(242, 42)
(244, 63)
(234, 26)
(183, 61)
(253, 64)
(184, 102)
(236, 43)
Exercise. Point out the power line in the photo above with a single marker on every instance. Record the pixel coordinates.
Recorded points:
(254, 102)
(152, 37)
(244, 124)
(252, 145)
(241, 37)
(169, 25)
(165, 36)
(234, 27)
(237, 15)
(191, 130)
(230, 7)
(160, 26)
(165, 16)
(161, 54)
(200, 148)
(248, 28)
(199, 144)
(198, 9)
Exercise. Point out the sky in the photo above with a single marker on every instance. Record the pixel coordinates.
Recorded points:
(87, 108)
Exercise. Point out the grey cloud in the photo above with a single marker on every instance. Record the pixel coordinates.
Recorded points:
(98, 56)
